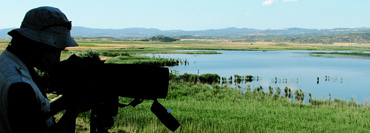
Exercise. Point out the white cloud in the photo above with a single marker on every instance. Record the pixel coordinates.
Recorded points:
(290, 0)
(269, 2)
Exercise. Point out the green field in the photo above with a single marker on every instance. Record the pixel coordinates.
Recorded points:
(202, 107)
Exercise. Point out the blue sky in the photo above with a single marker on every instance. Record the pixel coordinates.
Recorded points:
(199, 14)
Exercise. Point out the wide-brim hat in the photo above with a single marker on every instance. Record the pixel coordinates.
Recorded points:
(47, 25)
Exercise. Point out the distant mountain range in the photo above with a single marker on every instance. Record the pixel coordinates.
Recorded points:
(227, 32)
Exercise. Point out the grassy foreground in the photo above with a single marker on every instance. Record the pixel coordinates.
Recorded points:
(214, 108)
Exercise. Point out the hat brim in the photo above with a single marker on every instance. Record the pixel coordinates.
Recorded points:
(55, 40)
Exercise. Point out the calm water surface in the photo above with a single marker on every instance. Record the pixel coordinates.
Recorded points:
(343, 77)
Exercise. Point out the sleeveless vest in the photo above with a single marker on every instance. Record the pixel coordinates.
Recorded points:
(13, 70)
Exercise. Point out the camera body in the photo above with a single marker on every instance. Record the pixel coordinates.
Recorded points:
(78, 75)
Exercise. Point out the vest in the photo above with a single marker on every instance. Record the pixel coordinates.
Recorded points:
(13, 70)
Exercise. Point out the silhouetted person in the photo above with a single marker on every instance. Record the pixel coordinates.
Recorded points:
(24, 107)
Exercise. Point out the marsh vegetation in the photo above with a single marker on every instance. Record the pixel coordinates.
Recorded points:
(204, 107)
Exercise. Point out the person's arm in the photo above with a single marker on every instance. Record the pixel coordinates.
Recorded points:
(68, 121)
(25, 114)
(67, 124)
(57, 105)
(23, 109)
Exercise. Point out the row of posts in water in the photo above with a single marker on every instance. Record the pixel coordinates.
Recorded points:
(327, 79)
(249, 78)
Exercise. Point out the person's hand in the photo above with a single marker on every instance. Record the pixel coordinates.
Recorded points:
(84, 103)
(79, 104)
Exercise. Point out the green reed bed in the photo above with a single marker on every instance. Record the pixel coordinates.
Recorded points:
(124, 57)
(158, 61)
(341, 53)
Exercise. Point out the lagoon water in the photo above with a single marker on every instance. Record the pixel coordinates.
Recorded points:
(342, 77)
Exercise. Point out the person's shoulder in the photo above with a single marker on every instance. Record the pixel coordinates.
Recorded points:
(8, 65)
(12, 69)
